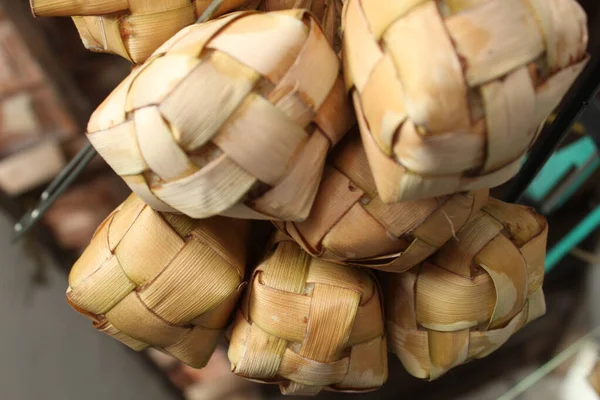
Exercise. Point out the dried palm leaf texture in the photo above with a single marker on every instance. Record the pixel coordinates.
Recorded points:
(328, 12)
(161, 280)
(594, 378)
(234, 117)
(471, 296)
(309, 325)
(132, 29)
(350, 224)
(449, 94)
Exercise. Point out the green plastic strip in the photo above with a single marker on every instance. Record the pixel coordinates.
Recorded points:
(573, 239)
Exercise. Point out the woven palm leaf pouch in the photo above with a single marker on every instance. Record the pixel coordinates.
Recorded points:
(469, 298)
(132, 29)
(309, 325)
(233, 117)
(450, 94)
(151, 279)
(350, 224)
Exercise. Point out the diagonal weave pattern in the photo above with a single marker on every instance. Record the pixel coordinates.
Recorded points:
(473, 295)
(449, 94)
(350, 224)
(132, 29)
(232, 117)
(161, 280)
(310, 325)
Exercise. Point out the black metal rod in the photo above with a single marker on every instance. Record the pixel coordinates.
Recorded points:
(576, 101)
(49, 198)
(67, 171)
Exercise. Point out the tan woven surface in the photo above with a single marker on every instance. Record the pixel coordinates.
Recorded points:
(594, 378)
(132, 29)
(470, 297)
(328, 12)
(350, 224)
(309, 325)
(449, 94)
(161, 280)
(230, 117)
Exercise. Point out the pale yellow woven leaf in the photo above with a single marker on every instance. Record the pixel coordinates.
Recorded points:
(457, 106)
(161, 280)
(132, 29)
(350, 224)
(234, 116)
(468, 299)
(308, 325)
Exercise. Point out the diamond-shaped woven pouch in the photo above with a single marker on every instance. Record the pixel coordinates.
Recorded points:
(161, 280)
(450, 94)
(469, 298)
(310, 325)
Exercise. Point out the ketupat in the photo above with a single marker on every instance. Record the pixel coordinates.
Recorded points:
(234, 117)
(449, 94)
(350, 224)
(309, 325)
(161, 280)
(469, 298)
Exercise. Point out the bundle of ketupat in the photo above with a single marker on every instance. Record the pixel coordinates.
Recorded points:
(236, 117)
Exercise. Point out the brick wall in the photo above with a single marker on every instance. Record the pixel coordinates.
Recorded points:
(33, 122)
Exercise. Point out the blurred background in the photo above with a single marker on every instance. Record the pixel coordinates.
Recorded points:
(48, 87)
